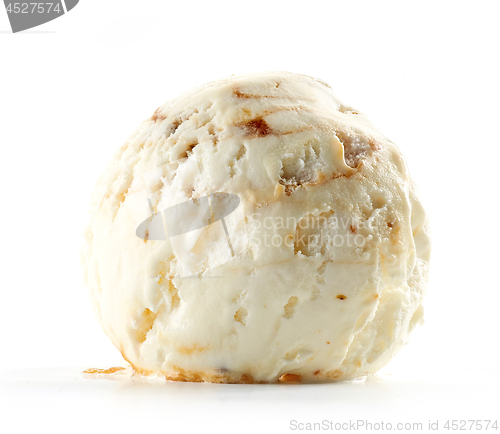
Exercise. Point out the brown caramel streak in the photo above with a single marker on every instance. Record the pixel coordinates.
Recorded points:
(179, 374)
(103, 371)
(238, 94)
(291, 378)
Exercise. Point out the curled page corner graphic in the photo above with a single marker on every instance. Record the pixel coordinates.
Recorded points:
(70, 4)
(26, 15)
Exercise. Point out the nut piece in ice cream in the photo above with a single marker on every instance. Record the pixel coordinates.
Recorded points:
(253, 229)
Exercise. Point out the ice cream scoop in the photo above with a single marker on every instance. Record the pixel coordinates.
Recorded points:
(257, 229)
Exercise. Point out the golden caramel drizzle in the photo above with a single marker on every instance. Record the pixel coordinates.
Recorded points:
(291, 378)
(103, 371)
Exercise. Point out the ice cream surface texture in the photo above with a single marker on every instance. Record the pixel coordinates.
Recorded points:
(253, 229)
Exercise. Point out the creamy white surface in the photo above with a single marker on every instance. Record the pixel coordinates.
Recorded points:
(271, 310)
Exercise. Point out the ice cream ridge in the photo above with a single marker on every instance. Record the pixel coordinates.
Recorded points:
(257, 229)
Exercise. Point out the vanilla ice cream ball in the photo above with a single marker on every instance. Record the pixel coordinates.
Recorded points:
(257, 229)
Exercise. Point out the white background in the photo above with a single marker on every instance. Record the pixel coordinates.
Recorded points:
(72, 90)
